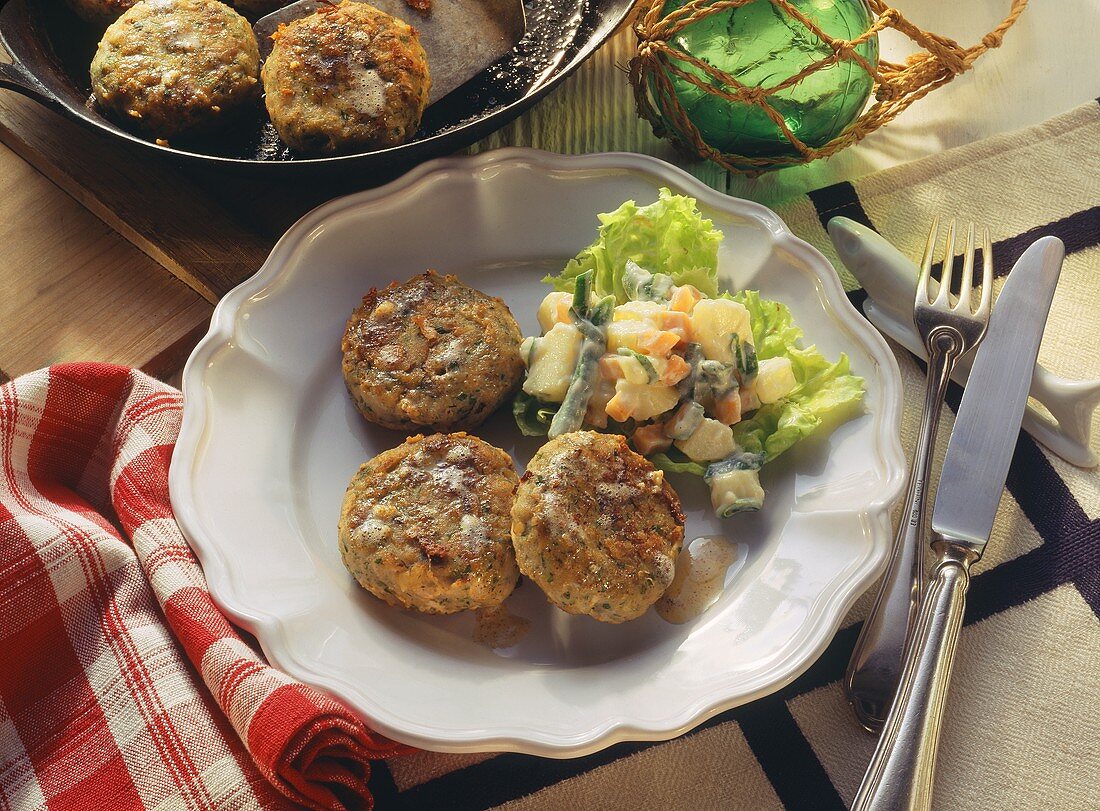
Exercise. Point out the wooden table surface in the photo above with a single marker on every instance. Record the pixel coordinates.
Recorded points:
(109, 256)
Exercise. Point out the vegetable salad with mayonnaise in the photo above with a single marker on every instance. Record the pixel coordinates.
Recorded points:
(636, 340)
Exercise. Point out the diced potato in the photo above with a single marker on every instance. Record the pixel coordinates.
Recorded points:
(626, 334)
(684, 298)
(711, 441)
(727, 408)
(646, 311)
(555, 310)
(552, 363)
(735, 491)
(633, 370)
(774, 380)
(640, 402)
(651, 439)
(714, 321)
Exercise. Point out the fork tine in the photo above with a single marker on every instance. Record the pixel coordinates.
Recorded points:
(926, 262)
(987, 277)
(966, 285)
(944, 295)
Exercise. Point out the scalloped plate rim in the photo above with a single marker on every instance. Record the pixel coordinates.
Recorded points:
(812, 638)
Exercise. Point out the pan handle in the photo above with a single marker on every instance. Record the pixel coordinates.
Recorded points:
(14, 76)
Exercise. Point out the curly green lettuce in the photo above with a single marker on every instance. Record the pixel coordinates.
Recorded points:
(824, 387)
(668, 236)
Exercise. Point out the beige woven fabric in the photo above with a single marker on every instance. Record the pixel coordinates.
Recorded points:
(1023, 726)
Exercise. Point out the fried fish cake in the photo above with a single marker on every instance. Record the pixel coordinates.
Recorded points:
(173, 67)
(431, 353)
(596, 526)
(347, 77)
(425, 525)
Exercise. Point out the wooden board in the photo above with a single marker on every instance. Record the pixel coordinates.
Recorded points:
(71, 288)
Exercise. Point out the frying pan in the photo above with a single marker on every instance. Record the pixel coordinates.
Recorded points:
(51, 50)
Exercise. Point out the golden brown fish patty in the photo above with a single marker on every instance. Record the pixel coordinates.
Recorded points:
(349, 76)
(168, 67)
(431, 353)
(597, 526)
(425, 525)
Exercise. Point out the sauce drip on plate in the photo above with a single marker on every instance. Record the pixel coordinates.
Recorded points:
(497, 627)
(700, 577)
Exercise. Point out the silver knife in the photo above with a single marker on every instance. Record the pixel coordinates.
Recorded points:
(902, 768)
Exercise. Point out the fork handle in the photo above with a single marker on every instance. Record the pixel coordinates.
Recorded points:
(902, 769)
(875, 667)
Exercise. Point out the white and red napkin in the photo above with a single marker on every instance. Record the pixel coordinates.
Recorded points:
(122, 685)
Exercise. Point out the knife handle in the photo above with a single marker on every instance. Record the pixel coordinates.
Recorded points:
(902, 768)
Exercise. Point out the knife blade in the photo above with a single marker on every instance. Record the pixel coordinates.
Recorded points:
(902, 769)
(984, 437)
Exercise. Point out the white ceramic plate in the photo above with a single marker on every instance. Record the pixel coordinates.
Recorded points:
(270, 440)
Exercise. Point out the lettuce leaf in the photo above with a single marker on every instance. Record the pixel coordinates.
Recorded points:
(824, 389)
(669, 236)
(675, 461)
(532, 416)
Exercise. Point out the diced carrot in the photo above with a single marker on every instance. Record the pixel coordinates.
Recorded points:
(658, 343)
(684, 299)
(728, 407)
(610, 367)
(677, 322)
(618, 409)
(595, 416)
(651, 439)
(675, 371)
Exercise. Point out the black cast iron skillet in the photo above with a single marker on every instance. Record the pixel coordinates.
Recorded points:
(52, 50)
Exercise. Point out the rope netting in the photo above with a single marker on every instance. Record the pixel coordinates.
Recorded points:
(896, 86)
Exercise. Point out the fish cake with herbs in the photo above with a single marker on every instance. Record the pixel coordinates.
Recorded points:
(175, 67)
(432, 353)
(425, 525)
(344, 78)
(596, 526)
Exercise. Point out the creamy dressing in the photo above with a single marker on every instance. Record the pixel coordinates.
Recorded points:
(497, 627)
(700, 577)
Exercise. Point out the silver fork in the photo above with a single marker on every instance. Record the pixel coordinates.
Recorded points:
(948, 331)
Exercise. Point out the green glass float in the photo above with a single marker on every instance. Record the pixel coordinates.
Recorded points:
(761, 46)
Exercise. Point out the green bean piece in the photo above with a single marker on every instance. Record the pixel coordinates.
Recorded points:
(570, 416)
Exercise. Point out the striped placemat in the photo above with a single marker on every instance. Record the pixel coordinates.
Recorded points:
(1023, 726)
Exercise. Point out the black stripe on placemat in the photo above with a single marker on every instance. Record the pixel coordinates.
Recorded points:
(1078, 231)
(383, 788)
(481, 786)
(786, 756)
(839, 200)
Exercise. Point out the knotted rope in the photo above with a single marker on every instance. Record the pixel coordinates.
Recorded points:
(896, 86)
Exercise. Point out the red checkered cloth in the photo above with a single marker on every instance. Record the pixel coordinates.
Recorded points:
(122, 685)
